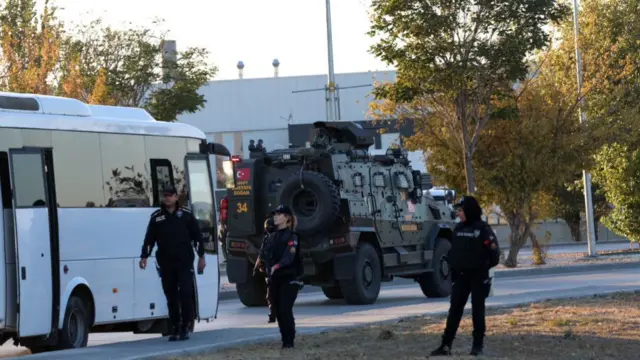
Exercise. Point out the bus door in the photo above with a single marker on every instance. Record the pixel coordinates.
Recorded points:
(36, 240)
(202, 205)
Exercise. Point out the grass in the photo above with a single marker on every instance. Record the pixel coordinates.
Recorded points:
(602, 327)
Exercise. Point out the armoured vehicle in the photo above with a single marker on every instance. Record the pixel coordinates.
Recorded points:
(362, 219)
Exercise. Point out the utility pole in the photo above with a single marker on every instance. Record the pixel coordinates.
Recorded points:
(591, 232)
(332, 113)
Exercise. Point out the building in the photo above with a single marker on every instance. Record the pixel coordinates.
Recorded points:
(281, 110)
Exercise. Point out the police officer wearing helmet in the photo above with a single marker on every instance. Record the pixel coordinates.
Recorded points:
(265, 250)
(284, 268)
(474, 250)
(176, 232)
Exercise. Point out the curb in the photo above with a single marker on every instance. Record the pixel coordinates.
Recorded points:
(223, 268)
(209, 349)
(502, 274)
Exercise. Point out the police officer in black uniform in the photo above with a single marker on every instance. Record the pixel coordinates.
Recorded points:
(265, 250)
(474, 250)
(284, 268)
(176, 232)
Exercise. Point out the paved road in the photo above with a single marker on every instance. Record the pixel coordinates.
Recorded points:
(314, 313)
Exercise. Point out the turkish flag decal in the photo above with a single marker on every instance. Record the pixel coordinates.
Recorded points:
(243, 174)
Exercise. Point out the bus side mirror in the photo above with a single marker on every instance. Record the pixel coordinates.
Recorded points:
(215, 149)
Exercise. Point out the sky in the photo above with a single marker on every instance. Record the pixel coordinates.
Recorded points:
(254, 31)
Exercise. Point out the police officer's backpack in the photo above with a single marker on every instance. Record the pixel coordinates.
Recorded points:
(494, 248)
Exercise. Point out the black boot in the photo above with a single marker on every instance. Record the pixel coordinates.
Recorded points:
(442, 350)
(272, 319)
(184, 333)
(287, 342)
(174, 333)
(476, 349)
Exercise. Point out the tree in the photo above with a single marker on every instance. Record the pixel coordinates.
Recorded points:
(611, 58)
(126, 68)
(458, 56)
(619, 173)
(532, 146)
(30, 46)
(568, 204)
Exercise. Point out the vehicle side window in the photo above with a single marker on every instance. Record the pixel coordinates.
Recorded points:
(161, 176)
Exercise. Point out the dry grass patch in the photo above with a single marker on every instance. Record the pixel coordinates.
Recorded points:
(604, 327)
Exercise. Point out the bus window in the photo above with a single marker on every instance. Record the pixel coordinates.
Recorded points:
(161, 177)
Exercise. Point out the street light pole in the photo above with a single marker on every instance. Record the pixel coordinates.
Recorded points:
(332, 113)
(591, 233)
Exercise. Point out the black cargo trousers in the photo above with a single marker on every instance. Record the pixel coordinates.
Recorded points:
(477, 284)
(177, 284)
(284, 292)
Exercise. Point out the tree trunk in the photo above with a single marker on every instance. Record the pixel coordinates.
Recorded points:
(538, 251)
(469, 174)
(596, 221)
(512, 258)
(515, 243)
(575, 230)
(520, 230)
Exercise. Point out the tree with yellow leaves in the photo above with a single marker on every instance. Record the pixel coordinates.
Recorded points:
(30, 46)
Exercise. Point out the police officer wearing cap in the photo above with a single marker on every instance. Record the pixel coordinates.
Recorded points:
(284, 268)
(175, 231)
(474, 250)
(265, 250)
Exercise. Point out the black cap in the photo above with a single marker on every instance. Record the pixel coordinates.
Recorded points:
(169, 190)
(282, 210)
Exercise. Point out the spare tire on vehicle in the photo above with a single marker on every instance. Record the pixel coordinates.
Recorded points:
(313, 198)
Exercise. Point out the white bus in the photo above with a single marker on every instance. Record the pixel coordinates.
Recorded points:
(78, 184)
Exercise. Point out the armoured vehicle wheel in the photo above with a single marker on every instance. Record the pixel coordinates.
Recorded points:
(253, 292)
(332, 292)
(313, 198)
(364, 287)
(437, 283)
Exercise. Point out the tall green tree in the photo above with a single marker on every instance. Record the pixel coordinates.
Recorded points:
(619, 173)
(30, 41)
(125, 67)
(457, 56)
(609, 33)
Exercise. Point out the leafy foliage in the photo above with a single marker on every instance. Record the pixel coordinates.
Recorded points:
(535, 146)
(619, 174)
(98, 64)
(610, 54)
(458, 57)
(125, 67)
(30, 46)
(568, 204)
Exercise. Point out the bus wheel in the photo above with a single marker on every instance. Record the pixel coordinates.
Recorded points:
(75, 328)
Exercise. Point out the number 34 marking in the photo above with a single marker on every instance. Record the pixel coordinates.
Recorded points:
(242, 207)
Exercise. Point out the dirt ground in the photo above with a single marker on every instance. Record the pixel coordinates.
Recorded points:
(603, 327)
